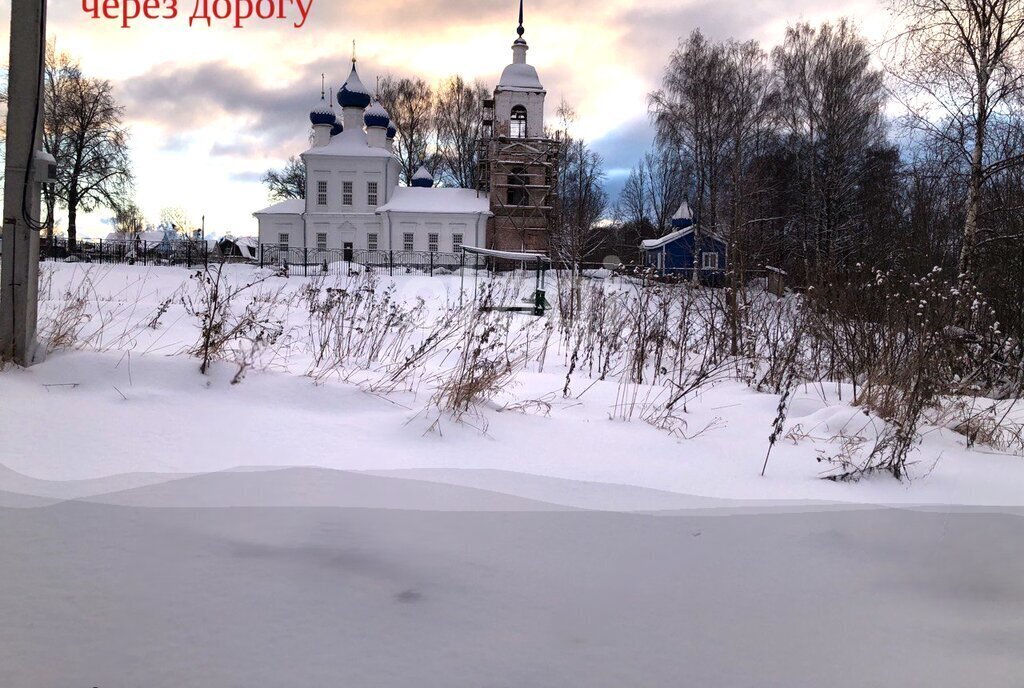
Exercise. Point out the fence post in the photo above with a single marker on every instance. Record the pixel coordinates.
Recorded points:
(263, 247)
(305, 262)
(101, 251)
(188, 254)
(431, 263)
(391, 262)
(145, 253)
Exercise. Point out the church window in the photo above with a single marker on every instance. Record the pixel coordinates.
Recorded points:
(321, 241)
(709, 260)
(432, 242)
(371, 241)
(371, 194)
(346, 193)
(456, 242)
(321, 193)
(517, 124)
(409, 241)
(282, 242)
(517, 181)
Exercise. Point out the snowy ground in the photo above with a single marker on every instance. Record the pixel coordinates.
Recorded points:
(165, 528)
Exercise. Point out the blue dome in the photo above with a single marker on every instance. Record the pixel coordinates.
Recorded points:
(376, 116)
(392, 132)
(353, 93)
(322, 114)
(422, 179)
(337, 128)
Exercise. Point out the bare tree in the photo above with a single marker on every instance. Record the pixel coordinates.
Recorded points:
(410, 102)
(582, 203)
(962, 60)
(289, 182)
(690, 114)
(655, 188)
(129, 220)
(458, 108)
(831, 101)
(176, 219)
(85, 133)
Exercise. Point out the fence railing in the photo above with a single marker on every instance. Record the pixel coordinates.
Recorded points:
(332, 261)
(133, 251)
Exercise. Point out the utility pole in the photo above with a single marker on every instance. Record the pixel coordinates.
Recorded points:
(26, 169)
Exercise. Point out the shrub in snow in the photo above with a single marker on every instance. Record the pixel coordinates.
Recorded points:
(225, 329)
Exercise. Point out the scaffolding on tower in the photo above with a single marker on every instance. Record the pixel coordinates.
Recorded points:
(520, 177)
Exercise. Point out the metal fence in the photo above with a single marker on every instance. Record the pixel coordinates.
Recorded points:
(333, 261)
(132, 251)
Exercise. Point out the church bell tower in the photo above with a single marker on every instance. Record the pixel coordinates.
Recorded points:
(517, 162)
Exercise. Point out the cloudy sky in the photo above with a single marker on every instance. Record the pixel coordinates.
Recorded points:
(210, 109)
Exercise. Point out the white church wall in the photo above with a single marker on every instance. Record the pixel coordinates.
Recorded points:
(446, 227)
(274, 228)
(504, 101)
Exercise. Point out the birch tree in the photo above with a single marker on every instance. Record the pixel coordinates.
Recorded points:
(962, 61)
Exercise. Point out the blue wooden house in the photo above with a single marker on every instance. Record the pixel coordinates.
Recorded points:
(673, 254)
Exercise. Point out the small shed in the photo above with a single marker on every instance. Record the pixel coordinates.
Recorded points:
(673, 254)
(243, 248)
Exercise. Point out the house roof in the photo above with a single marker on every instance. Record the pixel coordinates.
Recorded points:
(650, 244)
(150, 236)
(289, 206)
(409, 199)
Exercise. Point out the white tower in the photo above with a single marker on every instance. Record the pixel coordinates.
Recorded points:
(519, 95)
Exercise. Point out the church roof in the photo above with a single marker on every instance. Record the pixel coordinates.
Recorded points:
(353, 93)
(519, 76)
(376, 116)
(522, 77)
(290, 206)
(322, 114)
(350, 143)
(422, 178)
(410, 199)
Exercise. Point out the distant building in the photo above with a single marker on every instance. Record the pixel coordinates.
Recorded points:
(675, 252)
(354, 202)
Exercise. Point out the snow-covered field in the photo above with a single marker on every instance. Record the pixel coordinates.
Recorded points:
(306, 524)
(126, 399)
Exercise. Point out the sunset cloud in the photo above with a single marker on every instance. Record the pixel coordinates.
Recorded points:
(212, 108)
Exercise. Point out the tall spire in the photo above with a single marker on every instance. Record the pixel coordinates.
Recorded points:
(353, 51)
(520, 30)
(323, 86)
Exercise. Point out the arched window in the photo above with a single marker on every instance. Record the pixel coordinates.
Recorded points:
(517, 129)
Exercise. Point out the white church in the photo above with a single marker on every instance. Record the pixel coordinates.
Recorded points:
(353, 199)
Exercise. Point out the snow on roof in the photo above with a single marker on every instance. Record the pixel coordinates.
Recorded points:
(350, 143)
(683, 213)
(151, 236)
(247, 246)
(520, 77)
(408, 199)
(290, 206)
(509, 255)
(422, 179)
(648, 244)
